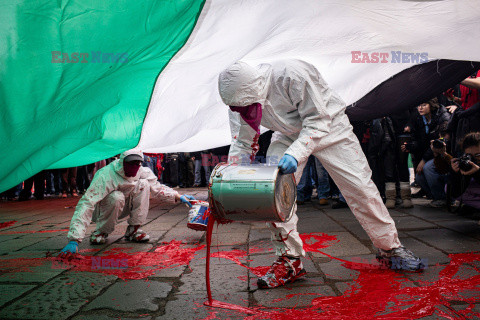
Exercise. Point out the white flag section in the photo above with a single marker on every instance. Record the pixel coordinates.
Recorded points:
(186, 113)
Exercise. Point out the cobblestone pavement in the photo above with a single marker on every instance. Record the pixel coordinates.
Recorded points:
(164, 279)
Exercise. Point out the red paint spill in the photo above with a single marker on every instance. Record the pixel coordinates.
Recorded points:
(377, 293)
(7, 224)
(32, 231)
(112, 262)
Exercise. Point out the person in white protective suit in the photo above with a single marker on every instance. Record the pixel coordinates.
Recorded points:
(119, 190)
(291, 98)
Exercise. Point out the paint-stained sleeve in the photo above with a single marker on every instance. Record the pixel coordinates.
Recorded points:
(100, 187)
(157, 189)
(243, 136)
(317, 105)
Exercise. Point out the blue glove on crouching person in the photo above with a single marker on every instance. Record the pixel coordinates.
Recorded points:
(288, 164)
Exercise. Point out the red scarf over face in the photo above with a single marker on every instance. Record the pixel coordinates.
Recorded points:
(131, 168)
(252, 115)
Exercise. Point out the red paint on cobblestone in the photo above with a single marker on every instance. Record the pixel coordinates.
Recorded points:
(377, 293)
(7, 224)
(139, 265)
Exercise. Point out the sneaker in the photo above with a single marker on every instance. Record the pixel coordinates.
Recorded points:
(400, 259)
(438, 203)
(64, 195)
(323, 202)
(135, 234)
(74, 194)
(339, 204)
(282, 271)
(418, 194)
(98, 238)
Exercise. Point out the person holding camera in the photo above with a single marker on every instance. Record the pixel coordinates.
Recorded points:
(431, 121)
(465, 176)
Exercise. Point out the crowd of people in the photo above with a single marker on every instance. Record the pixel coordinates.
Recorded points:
(438, 137)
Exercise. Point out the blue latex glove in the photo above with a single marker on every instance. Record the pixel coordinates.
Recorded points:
(70, 249)
(288, 164)
(186, 199)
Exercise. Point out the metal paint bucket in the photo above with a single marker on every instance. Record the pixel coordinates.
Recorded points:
(255, 192)
(198, 215)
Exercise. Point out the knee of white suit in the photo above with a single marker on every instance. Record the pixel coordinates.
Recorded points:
(117, 198)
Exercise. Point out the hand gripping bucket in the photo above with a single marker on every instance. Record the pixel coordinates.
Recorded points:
(198, 215)
(253, 192)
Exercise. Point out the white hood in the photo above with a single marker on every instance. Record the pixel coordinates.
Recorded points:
(119, 164)
(241, 84)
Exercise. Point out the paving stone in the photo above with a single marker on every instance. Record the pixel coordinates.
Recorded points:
(184, 307)
(200, 256)
(467, 227)
(132, 296)
(409, 222)
(447, 240)
(225, 278)
(323, 224)
(59, 298)
(334, 269)
(183, 234)
(355, 228)
(343, 286)
(340, 215)
(12, 291)
(259, 234)
(347, 245)
(229, 238)
(288, 297)
(234, 227)
(431, 214)
(13, 245)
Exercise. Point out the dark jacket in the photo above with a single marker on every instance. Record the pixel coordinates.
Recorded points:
(463, 122)
(421, 139)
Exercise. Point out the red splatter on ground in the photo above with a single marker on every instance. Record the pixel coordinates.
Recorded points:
(32, 231)
(7, 224)
(379, 293)
(123, 265)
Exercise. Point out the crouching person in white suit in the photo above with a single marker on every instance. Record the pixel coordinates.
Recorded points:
(119, 190)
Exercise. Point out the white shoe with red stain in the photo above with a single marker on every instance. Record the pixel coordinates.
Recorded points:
(135, 234)
(284, 270)
(98, 238)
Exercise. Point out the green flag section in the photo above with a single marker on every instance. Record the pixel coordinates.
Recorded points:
(76, 77)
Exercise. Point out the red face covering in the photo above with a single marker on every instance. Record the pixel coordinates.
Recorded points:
(131, 168)
(252, 115)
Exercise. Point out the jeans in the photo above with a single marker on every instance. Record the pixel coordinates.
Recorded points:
(198, 171)
(305, 185)
(432, 182)
(323, 185)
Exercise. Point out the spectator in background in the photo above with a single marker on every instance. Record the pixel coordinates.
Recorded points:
(186, 169)
(465, 182)
(201, 161)
(430, 124)
(39, 181)
(466, 118)
(69, 182)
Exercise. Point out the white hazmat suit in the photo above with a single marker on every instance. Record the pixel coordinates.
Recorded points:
(113, 196)
(308, 118)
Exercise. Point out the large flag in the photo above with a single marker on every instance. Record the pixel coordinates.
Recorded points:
(81, 81)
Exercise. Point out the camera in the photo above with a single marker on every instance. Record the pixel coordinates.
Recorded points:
(406, 139)
(438, 143)
(464, 162)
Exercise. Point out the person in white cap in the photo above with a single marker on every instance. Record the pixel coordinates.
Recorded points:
(291, 98)
(119, 190)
